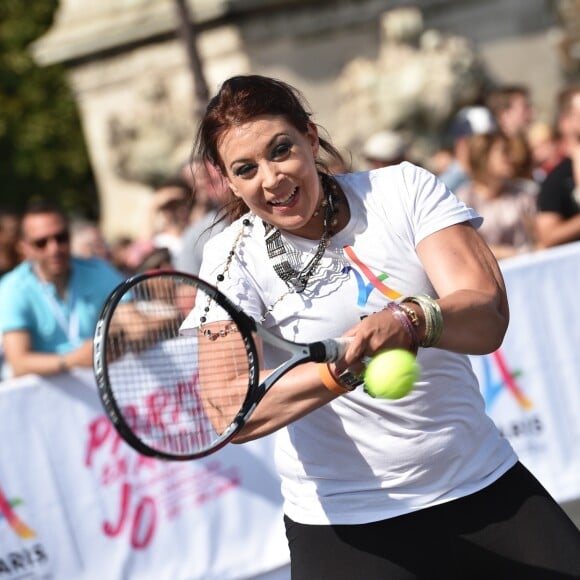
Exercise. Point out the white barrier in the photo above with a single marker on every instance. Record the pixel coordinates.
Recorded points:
(76, 502)
(532, 383)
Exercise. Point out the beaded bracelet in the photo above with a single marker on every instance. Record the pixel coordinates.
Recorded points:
(433, 318)
(400, 315)
(331, 382)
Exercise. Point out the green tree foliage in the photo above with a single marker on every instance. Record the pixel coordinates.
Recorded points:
(42, 149)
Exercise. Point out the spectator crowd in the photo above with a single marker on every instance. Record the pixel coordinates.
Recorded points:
(521, 173)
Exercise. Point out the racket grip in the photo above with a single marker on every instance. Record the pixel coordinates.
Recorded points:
(335, 348)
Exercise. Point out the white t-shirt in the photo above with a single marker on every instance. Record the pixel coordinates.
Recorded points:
(359, 459)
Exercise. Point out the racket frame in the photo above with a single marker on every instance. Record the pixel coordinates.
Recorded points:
(320, 351)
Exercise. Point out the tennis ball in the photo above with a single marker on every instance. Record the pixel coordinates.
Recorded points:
(391, 374)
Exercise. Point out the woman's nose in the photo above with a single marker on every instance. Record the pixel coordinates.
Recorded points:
(271, 176)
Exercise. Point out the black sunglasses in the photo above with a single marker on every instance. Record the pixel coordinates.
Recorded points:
(61, 239)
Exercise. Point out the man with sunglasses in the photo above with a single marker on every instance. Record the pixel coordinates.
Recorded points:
(49, 304)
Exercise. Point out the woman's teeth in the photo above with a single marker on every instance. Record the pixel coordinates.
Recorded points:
(287, 200)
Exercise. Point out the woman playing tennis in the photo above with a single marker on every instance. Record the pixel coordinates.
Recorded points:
(421, 487)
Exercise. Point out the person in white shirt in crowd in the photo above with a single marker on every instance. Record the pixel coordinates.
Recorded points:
(169, 215)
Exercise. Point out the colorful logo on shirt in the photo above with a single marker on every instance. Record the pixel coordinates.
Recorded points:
(374, 282)
(7, 512)
(504, 379)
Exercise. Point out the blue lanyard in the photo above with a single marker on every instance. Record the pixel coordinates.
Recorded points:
(71, 324)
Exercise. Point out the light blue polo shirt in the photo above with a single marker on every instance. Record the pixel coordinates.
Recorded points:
(56, 325)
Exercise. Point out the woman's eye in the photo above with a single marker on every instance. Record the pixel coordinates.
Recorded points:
(243, 170)
(282, 149)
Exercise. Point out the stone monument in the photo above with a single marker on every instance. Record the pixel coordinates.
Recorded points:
(418, 80)
(130, 76)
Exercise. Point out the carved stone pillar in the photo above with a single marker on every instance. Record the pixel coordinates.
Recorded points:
(130, 75)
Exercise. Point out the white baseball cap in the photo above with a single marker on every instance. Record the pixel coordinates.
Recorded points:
(475, 120)
(384, 146)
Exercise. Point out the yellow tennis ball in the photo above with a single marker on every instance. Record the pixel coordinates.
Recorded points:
(391, 374)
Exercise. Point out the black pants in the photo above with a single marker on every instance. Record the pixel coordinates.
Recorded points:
(511, 530)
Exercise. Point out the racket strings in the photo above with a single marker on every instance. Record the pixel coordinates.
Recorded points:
(176, 392)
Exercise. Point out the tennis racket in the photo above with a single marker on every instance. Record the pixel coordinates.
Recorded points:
(177, 394)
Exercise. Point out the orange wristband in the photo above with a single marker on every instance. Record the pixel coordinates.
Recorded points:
(330, 381)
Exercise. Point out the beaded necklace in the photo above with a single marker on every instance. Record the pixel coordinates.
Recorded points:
(277, 251)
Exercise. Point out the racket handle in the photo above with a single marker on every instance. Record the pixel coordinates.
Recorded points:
(335, 348)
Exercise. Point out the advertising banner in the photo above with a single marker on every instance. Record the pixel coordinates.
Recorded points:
(77, 502)
(531, 385)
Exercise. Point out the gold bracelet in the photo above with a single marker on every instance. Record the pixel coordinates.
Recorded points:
(433, 318)
(330, 381)
(411, 315)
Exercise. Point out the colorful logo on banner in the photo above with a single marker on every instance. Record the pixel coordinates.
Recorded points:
(375, 282)
(522, 423)
(503, 380)
(20, 560)
(14, 521)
